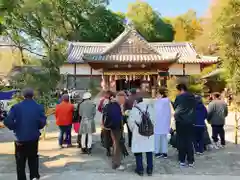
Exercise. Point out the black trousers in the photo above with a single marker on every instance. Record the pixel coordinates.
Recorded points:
(218, 130)
(129, 137)
(27, 151)
(185, 142)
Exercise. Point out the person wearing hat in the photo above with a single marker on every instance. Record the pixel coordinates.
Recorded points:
(87, 111)
(26, 119)
(64, 117)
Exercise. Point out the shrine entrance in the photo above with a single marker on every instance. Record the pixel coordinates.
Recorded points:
(123, 84)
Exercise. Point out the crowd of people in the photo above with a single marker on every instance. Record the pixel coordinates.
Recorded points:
(148, 125)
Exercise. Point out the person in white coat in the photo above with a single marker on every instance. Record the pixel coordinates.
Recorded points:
(162, 110)
(141, 144)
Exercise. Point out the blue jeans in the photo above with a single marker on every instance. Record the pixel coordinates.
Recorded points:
(199, 138)
(65, 130)
(139, 161)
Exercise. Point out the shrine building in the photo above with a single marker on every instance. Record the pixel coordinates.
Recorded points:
(130, 62)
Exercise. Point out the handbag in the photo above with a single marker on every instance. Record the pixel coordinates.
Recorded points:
(76, 127)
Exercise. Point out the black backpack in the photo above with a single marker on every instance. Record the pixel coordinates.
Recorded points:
(145, 128)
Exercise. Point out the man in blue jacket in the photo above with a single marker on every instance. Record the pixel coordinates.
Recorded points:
(26, 119)
(112, 120)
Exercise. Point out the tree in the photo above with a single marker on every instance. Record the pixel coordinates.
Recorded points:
(149, 23)
(42, 28)
(187, 26)
(180, 33)
(225, 23)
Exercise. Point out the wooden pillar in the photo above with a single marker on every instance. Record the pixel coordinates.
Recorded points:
(154, 86)
(67, 81)
(184, 70)
(107, 82)
(75, 75)
(91, 74)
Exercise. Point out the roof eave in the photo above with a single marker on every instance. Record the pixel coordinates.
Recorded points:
(88, 58)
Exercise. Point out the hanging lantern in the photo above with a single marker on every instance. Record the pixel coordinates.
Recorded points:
(130, 78)
(129, 65)
(148, 78)
(144, 78)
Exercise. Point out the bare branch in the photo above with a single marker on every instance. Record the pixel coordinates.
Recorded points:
(23, 48)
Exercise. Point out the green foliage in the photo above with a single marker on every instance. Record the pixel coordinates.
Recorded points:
(171, 86)
(149, 23)
(196, 84)
(93, 88)
(208, 69)
(225, 23)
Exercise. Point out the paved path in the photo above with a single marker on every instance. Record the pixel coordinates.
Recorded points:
(76, 175)
(70, 163)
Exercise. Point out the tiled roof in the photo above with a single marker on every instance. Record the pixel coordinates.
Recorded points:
(77, 50)
(125, 58)
(129, 34)
(122, 50)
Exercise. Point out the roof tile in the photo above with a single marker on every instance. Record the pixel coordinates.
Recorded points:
(156, 51)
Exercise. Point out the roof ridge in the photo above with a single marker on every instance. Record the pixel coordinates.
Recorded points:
(168, 43)
(191, 48)
(124, 35)
(117, 40)
(75, 43)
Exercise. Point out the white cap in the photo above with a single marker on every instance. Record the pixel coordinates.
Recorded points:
(87, 95)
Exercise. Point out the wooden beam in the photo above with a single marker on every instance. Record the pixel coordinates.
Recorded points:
(184, 69)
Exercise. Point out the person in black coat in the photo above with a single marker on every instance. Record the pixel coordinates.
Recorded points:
(185, 115)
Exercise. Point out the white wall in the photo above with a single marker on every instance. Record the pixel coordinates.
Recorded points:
(191, 69)
(176, 69)
(67, 69)
(85, 69)
(82, 69)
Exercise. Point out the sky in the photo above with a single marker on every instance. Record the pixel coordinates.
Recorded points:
(168, 8)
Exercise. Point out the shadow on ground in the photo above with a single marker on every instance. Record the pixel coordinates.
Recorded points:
(54, 160)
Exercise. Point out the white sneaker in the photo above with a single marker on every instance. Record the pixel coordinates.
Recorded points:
(35, 179)
(182, 164)
(120, 168)
(215, 146)
(221, 146)
(191, 165)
